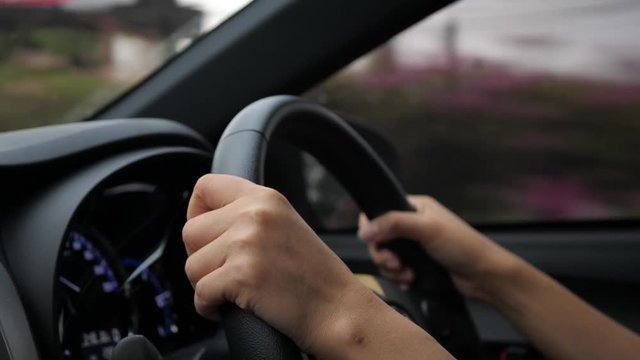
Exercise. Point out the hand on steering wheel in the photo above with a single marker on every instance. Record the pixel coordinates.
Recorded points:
(248, 246)
(241, 151)
(470, 257)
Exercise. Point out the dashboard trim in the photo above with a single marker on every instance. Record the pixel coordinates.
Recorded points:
(17, 342)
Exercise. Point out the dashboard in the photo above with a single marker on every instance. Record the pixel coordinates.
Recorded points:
(90, 239)
(93, 244)
(122, 255)
(95, 250)
(90, 245)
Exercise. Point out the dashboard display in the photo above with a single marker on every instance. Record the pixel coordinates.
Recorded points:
(154, 298)
(121, 271)
(94, 307)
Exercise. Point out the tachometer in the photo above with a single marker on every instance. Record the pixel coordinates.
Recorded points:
(155, 302)
(94, 311)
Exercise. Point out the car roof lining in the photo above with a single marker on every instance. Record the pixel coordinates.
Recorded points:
(255, 54)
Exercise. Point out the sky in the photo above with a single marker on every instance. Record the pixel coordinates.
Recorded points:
(582, 37)
(215, 10)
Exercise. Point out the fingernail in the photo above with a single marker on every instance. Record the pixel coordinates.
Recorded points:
(370, 231)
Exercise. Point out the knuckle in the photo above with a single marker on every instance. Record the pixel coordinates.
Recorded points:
(203, 183)
(190, 268)
(263, 214)
(200, 299)
(268, 206)
(260, 215)
(245, 241)
(274, 199)
(272, 196)
(249, 273)
(188, 231)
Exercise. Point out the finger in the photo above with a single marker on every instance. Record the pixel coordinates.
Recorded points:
(235, 282)
(362, 221)
(206, 260)
(211, 291)
(366, 229)
(405, 276)
(204, 228)
(385, 258)
(399, 224)
(213, 191)
(417, 201)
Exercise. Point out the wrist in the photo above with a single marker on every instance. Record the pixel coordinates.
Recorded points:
(364, 327)
(503, 282)
(342, 326)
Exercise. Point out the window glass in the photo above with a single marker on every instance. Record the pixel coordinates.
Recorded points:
(60, 60)
(509, 110)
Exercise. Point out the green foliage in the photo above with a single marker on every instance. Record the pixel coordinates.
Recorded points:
(500, 146)
(79, 46)
(34, 97)
(65, 91)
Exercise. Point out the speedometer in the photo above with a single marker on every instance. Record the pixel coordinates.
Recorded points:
(94, 311)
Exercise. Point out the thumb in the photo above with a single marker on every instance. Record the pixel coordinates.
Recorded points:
(396, 224)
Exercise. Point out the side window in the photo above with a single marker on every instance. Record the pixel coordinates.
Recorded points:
(509, 111)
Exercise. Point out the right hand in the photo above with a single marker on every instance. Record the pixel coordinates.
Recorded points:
(247, 245)
(472, 259)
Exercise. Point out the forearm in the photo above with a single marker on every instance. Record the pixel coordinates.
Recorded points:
(556, 321)
(372, 330)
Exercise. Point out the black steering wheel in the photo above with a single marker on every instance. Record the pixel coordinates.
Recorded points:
(242, 150)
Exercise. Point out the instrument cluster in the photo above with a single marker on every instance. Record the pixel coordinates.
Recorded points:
(120, 271)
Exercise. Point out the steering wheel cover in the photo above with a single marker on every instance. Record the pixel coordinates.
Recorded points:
(242, 150)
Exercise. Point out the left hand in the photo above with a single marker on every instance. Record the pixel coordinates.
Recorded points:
(247, 245)
(477, 264)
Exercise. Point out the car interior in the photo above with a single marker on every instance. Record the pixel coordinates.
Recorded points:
(92, 210)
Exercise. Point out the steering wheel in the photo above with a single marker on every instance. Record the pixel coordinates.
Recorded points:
(242, 150)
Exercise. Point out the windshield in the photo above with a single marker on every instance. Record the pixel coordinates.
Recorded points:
(60, 60)
(507, 110)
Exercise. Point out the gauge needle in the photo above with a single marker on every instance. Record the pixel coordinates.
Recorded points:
(71, 285)
(155, 255)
